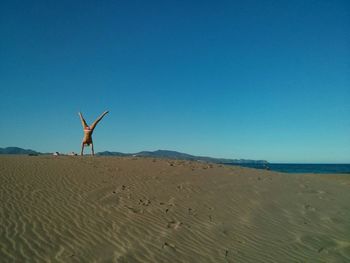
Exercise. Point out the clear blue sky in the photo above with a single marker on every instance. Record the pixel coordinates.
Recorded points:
(237, 79)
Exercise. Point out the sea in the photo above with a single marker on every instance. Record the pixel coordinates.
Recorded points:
(300, 167)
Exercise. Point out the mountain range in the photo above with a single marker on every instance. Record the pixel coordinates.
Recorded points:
(17, 150)
(154, 154)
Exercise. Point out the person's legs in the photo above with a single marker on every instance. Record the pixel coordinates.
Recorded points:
(83, 122)
(92, 149)
(82, 149)
(93, 125)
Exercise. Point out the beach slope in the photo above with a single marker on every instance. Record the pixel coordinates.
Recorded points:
(124, 209)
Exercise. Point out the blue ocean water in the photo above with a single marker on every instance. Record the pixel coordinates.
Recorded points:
(301, 167)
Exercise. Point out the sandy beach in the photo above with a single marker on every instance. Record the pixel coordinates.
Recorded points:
(109, 209)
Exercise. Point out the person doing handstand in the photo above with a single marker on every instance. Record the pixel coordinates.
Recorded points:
(88, 130)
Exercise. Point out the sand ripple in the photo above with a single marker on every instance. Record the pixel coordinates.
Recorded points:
(72, 209)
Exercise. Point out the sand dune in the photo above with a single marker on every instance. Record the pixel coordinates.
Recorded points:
(108, 209)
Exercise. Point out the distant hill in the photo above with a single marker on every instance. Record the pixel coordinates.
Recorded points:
(155, 154)
(107, 153)
(165, 154)
(17, 150)
(182, 156)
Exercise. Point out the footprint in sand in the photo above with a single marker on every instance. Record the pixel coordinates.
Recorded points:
(169, 204)
(191, 211)
(171, 201)
(309, 208)
(179, 187)
(226, 253)
(144, 202)
(168, 245)
(171, 164)
(209, 207)
(134, 210)
(174, 224)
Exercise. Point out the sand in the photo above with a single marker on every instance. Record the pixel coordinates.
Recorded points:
(108, 209)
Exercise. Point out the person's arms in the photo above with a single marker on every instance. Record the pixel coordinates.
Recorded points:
(98, 119)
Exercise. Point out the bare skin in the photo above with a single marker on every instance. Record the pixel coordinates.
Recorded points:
(88, 130)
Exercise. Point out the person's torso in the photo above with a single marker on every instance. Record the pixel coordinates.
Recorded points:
(87, 134)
